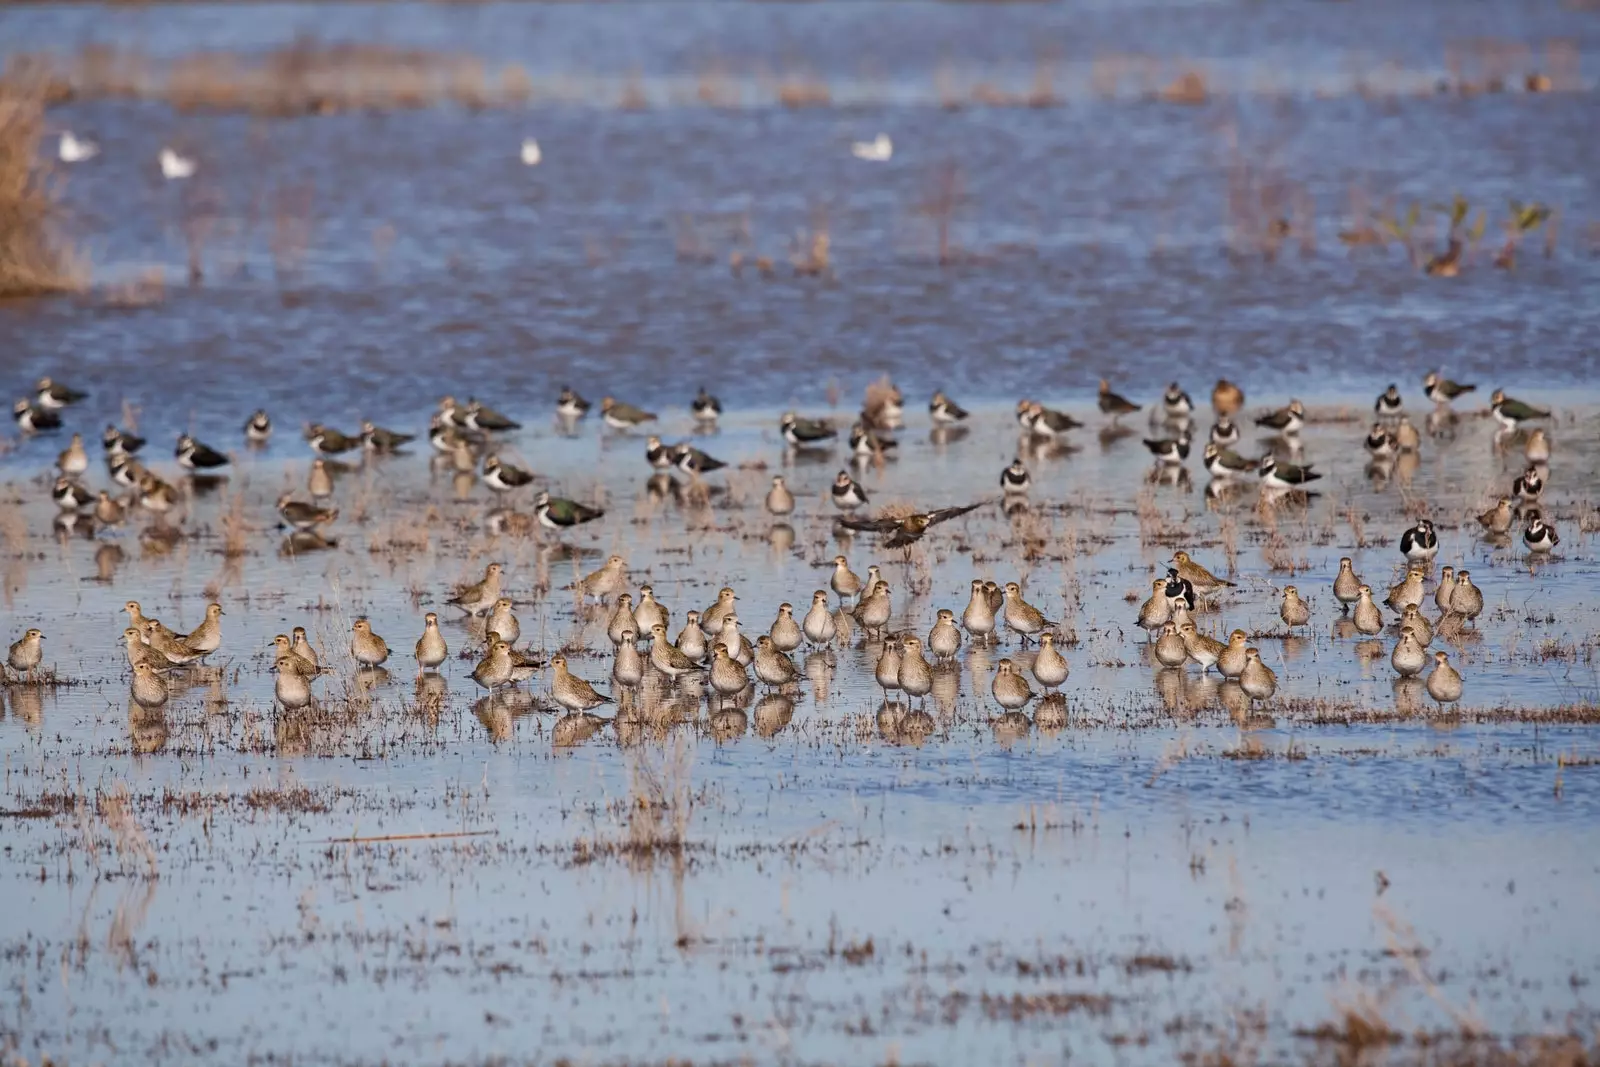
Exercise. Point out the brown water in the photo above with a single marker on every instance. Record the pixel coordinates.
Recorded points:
(1163, 878)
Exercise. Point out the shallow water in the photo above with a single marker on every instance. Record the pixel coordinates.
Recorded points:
(1162, 878)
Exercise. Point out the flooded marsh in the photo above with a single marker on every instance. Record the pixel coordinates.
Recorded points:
(251, 857)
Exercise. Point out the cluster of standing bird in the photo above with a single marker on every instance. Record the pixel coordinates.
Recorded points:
(711, 642)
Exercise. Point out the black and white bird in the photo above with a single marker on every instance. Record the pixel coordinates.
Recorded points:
(70, 496)
(866, 444)
(1226, 463)
(1286, 475)
(503, 477)
(658, 455)
(1381, 443)
(944, 411)
(1224, 432)
(1179, 590)
(125, 470)
(327, 441)
(53, 396)
(847, 492)
(1528, 486)
(258, 427)
(1442, 390)
(1389, 404)
(569, 405)
(31, 418)
(1169, 450)
(1175, 403)
(1538, 535)
(485, 419)
(120, 442)
(806, 433)
(690, 460)
(1045, 422)
(1420, 544)
(194, 456)
(1288, 420)
(705, 407)
(1015, 480)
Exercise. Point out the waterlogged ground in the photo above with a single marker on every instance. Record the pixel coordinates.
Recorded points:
(1347, 871)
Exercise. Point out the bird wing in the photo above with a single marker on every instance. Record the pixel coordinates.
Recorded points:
(944, 514)
(870, 525)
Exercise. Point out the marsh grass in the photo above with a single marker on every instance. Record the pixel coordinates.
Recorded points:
(34, 259)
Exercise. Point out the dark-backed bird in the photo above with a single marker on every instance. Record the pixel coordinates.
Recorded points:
(1114, 404)
(196, 456)
(1287, 420)
(1442, 390)
(908, 529)
(559, 514)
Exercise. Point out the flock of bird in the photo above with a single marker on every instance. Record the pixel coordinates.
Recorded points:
(711, 644)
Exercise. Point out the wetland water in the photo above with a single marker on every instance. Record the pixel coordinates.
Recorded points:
(1164, 877)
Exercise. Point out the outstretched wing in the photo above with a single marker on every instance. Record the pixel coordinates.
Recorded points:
(936, 517)
(869, 525)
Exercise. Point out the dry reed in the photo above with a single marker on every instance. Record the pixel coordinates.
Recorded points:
(33, 258)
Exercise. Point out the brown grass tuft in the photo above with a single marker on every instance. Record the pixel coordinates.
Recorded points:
(33, 258)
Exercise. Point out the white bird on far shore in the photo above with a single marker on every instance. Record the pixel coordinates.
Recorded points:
(174, 166)
(530, 153)
(877, 150)
(75, 149)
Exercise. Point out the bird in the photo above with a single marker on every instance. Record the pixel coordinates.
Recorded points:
(773, 666)
(1445, 590)
(818, 624)
(319, 480)
(728, 676)
(944, 640)
(570, 405)
(1257, 679)
(916, 673)
(979, 616)
(1170, 649)
(608, 580)
(1412, 616)
(1380, 443)
(620, 416)
(1408, 591)
(1203, 648)
(1367, 617)
(148, 688)
(1049, 666)
(175, 167)
(1224, 432)
(1011, 690)
(1528, 486)
(1286, 475)
(712, 617)
(872, 611)
(557, 514)
(1511, 414)
(292, 687)
(494, 669)
(1045, 422)
(1389, 403)
(1203, 581)
(1157, 610)
(886, 671)
(1169, 451)
(1346, 586)
(377, 439)
(780, 501)
(481, 595)
(1222, 462)
(206, 638)
(1540, 537)
(1419, 543)
(1021, 617)
(69, 495)
(326, 441)
(878, 150)
(1497, 520)
(108, 512)
(1293, 611)
(431, 648)
(195, 456)
(866, 444)
(258, 427)
(51, 395)
(705, 407)
(71, 148)
(1226, 399)
(570, 691)
(503, 621)
(481, 418)
(908, 530)
(1408, 657)
(167, 643)
(117, 442)
(1444, 681)
(649, 612)
(666, 657)
(1114, 404)
(26, 653)
(301, 647)
(847, 493)
(785, 633)
(367, 647)
(844, 581)
(944, 411)
(503, 477)
(1467, 599)
(693, 462)
(1537, 448)
(530, 153)
(805, 433)
(1442, 390)
(692, 641)
(1230, 661)
(1287, 421)
(623, 620)
(627, 668)
(303, 516)
(1175, 403)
